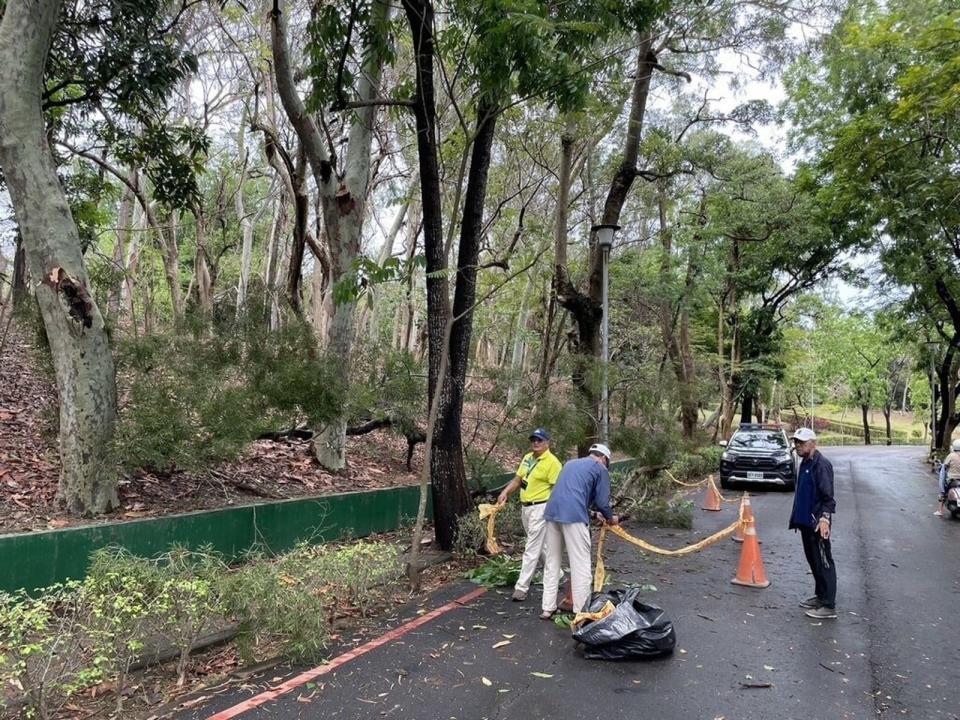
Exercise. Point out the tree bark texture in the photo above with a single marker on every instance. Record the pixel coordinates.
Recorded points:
(74, 326)
(19, 291)
(864, 408)
(675, 327)
(246, 223)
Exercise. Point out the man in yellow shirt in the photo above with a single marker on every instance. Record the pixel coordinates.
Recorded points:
(535, 477)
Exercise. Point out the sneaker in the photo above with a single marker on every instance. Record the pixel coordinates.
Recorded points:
(822, 613)
(811, 603)
(938, 513)
(519, 596)
(547, 614)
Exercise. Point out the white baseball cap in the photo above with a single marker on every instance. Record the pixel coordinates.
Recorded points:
(804, 434)
(602, 449)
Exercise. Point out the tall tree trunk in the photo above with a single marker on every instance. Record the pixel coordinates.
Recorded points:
(119, 269)
(447, 465)
(729, 369)
(19, 291)
(301, 217)
(167, 238)
(946, 381)
(675, 326)
(74, 326)
(448, 475)
(246, 222)
(864, 409)
(518, 344)
(886, 417)
(201, 267)
(128, 295)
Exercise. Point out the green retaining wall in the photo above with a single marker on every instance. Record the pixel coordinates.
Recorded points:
(37, 559)
(34, 560)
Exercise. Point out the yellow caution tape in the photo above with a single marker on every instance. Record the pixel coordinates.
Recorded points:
(717, 490)
(680, 482)
(489, 513)
(608, 607)
(600, 574)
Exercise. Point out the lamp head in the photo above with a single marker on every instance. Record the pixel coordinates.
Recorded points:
(605, 235)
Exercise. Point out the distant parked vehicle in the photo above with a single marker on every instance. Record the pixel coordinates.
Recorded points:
(758, 454)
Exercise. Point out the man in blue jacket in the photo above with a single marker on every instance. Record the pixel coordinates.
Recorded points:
(583, 485)
(813, 508)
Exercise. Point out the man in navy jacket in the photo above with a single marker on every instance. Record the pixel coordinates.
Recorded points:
(813, 508)
(583, 486)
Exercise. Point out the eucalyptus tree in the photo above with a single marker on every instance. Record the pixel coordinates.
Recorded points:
(61, 62)
(358, 34)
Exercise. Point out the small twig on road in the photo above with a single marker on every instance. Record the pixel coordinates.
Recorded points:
(706, 618)
(752, 685)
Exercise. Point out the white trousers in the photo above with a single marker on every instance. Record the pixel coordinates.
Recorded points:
(536, 529)
(576, 538)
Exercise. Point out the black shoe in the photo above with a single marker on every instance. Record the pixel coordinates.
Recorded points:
(822, 613)
(811, 603)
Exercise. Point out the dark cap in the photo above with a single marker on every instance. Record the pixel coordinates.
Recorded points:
(540, 434)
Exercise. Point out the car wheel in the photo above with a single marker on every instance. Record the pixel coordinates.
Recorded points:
(724, 484)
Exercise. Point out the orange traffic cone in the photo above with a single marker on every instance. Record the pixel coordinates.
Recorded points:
(711, 501)
(746, 512)
(750, 572)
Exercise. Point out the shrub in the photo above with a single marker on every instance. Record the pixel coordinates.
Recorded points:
(189, 602)
(273, 607)
(360, 570)
(120, 593)
(42, 648)
(194, 400)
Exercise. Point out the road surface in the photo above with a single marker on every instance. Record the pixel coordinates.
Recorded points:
(892, 653)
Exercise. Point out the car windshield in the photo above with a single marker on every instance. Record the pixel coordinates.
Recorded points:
(758, 440)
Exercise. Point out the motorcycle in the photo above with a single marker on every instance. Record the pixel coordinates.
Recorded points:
(953, 500)
(951, 493)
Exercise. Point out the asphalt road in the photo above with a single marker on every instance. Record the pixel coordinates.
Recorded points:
(892, 653)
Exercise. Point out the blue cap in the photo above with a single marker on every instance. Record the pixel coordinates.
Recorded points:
(540, 434)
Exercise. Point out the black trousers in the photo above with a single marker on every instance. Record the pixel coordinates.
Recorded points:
(822, 566)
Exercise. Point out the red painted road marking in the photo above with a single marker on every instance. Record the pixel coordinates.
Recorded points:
(316, 672)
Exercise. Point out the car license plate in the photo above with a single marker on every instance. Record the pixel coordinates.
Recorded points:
(753, 475)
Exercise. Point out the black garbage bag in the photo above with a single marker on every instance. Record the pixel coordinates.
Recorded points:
(633, 630)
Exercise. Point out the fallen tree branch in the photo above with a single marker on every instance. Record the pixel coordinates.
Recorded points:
(242, 484)
(414, 437)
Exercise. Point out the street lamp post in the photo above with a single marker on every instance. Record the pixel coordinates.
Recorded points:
(604, 235)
